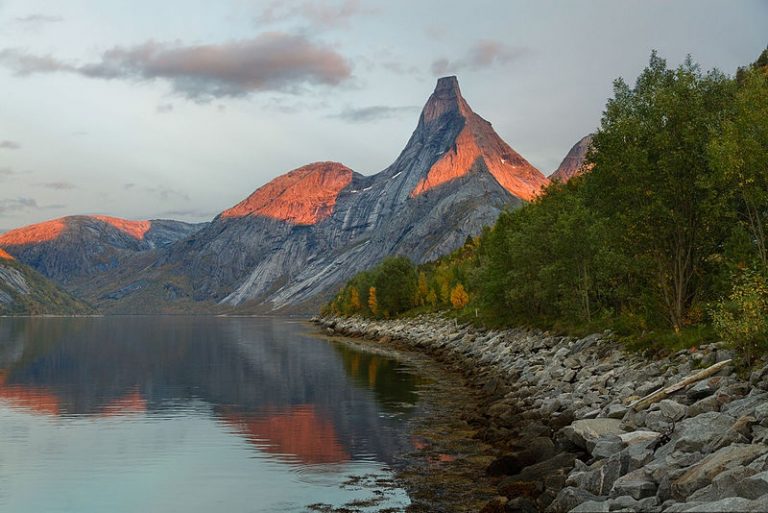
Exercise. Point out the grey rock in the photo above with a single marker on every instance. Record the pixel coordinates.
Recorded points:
(637, 484)
(591, 507)
(672, 409)
(694, 433)
(585, 433)
(703, 473)
(606, 446)
(570, 497)
(705, 405)
(731, 504)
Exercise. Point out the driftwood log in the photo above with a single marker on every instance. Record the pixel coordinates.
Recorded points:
(663, 393)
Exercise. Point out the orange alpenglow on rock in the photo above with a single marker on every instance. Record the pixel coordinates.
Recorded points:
(298, 431)
(136, 229)
(34, 233)
(476, 142)
(4, 255)
(51, 230)
(303, 196)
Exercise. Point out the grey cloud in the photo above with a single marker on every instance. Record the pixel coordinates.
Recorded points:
(9, 145)
(38, 18)
(483, 54)
(372, 113)
(164, 108)
(59, 186)
(189, 213)
(162, 192)
(272, 61)
(6, 171)
(17, 204)
(319, 14)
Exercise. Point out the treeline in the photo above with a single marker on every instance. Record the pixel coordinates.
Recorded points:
(665, 237)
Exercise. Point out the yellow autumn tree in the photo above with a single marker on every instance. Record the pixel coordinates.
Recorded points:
(432, 298)
(373, 305)
(459, 297)
(354, 300)
(422, 289)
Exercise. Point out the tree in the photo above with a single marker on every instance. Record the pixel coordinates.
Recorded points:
(396, 283)
(459, 297)
(651, 176)
(373, 304)
(740, 155)
(742, 319)
(423, 289)
(354, 299)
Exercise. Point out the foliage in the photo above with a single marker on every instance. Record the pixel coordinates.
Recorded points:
(742, 318)
(674, 210)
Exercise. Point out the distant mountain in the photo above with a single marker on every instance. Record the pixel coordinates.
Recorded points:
(573, 163)
(294, 240)
(71, 249)
(23, 291)
(298, 237)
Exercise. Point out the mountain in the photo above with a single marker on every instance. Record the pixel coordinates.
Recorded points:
(573, 163)
(23, 291)
(71, 249)
(294, 240)
(297, 238)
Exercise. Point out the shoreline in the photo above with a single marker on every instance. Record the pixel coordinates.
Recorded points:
(559, 415)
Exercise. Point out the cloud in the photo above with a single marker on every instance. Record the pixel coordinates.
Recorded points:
(164, 108)
(483, 54)
(59, 186)
(9, 145)
(273, 61)
(38, 18)
(6, 171)
(198, 213)
(373, 113)
(319, 14)
(162, 192)
(17, 204)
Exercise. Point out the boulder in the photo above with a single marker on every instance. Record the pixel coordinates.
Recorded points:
(570, 497)
(731, 504)
(705, 405)
(591, 507)
(585, 433)
(703, 473)
(637, 484)
(607, 446)
(694, 433)
(672, 410)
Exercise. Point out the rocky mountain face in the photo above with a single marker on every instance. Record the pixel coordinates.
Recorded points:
(573, 163)
(23, 291)
(73, 248)
(296, 239)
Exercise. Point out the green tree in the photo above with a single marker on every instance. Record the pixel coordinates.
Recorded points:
(742, 318)
(740, 154)
(652, 176)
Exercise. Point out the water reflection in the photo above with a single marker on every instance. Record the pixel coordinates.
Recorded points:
(294, 400)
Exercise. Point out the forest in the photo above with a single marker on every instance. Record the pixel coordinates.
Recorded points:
(662, 239)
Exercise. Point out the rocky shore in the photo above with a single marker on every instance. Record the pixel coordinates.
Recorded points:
(571, 432)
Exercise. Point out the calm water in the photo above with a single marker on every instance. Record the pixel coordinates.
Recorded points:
(193, 414)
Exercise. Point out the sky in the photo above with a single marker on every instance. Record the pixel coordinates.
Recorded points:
(179, 109)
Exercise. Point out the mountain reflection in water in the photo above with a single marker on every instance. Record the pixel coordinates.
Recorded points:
(297, 402)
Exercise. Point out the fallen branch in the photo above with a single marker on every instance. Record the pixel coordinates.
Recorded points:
(663, 393)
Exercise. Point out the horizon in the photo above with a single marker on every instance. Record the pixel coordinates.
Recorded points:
(184, 138)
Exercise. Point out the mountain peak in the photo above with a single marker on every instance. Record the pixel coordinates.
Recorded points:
(303, 196)
(448, 87)
(573, 163)
(474, 141)
(444, 100)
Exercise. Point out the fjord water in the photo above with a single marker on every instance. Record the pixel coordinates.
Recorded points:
(194, 414)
